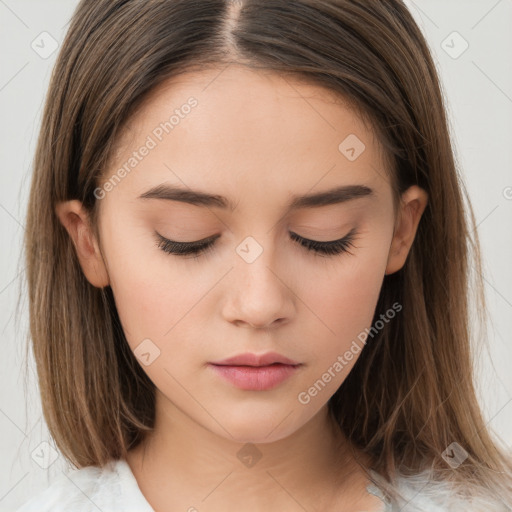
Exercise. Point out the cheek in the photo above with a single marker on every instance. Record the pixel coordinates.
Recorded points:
(344, 299)
(152, 293)
(345, 307)
(153, 304)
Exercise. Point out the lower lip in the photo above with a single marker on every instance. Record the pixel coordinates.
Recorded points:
(256, 378)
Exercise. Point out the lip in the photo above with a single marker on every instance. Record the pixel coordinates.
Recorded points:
(255, 372)
(255, 378)
(250, 359)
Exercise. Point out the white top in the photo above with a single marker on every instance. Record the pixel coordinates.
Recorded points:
(114, 488)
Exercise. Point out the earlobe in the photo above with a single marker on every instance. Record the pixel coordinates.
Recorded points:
(73, 216)
(413, 203)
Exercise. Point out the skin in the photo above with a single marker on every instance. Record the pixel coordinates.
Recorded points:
(257, 139)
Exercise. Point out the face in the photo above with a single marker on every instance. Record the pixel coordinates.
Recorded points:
(251, 268)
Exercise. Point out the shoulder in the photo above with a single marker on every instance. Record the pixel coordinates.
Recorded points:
(109, 488)
(421, 493)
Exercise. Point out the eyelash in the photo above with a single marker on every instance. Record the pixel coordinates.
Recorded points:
(323, 249)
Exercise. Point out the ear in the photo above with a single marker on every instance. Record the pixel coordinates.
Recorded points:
(413, 203)
(75, 219)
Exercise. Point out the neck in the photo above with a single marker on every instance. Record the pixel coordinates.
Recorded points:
(183, 464)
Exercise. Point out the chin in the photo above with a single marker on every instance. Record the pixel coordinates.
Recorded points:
(257, 426)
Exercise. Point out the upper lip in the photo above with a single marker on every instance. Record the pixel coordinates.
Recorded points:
(250, 359)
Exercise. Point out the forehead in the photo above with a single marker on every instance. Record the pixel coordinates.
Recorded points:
(219, 127)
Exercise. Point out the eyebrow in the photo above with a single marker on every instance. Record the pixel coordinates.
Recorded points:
(336, 195)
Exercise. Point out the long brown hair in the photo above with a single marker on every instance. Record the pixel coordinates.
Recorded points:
(411, 392)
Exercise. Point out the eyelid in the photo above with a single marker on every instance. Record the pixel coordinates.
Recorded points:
(191, 243)
(185, 248)
(304, 239)
(204, 241)
(315, 247)
(330, 247)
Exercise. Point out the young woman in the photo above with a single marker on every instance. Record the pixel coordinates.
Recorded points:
(247, 259)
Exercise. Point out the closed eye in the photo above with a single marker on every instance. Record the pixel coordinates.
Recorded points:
(329, 248)
(199, 247)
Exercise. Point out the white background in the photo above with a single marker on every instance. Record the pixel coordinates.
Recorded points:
(478, 86)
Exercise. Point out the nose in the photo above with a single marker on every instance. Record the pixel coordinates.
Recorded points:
(258, 294)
